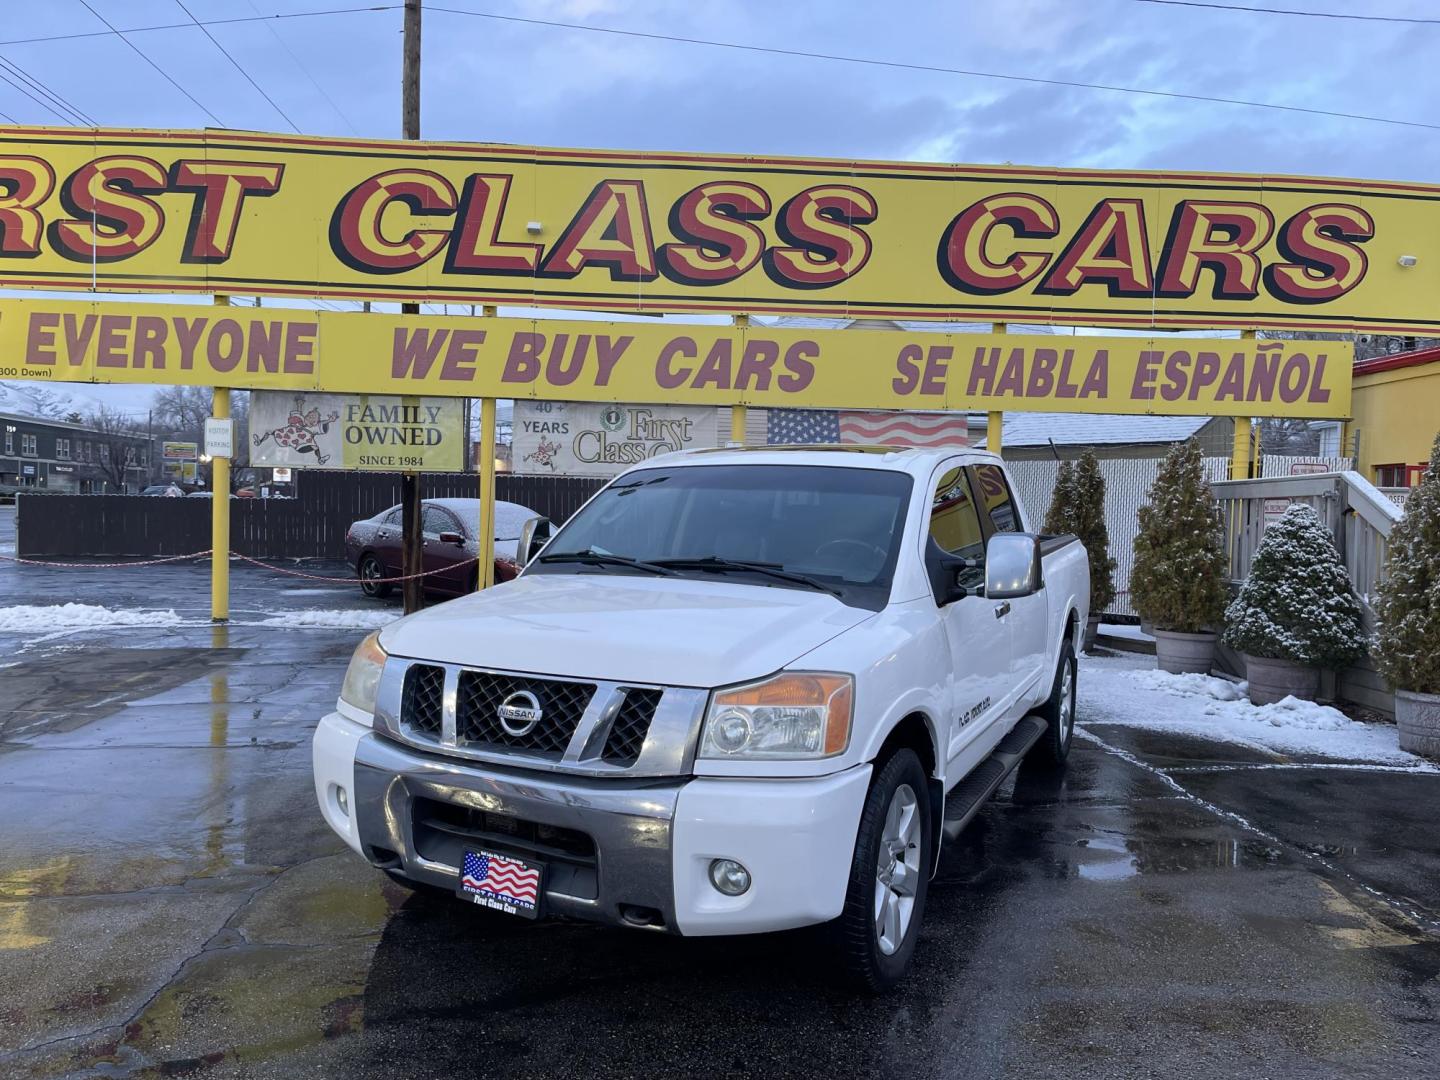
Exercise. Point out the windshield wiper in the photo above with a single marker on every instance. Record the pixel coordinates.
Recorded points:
(774, 570)
(601, 558)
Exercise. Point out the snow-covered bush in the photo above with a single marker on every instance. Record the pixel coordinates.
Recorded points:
(1178, 583)
(1057, 518)
(1087, 521)
(1298, 603)
(1407, 648)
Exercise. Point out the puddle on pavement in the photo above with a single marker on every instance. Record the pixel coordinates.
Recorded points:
(64, 691)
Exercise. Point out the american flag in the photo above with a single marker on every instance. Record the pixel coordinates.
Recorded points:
(791, 426)
(502, 878)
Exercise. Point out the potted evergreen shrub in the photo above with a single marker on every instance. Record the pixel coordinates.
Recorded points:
(1087, 521)
(1407, 647)
(1297, 611)
(1057, 518)
(1178, 584)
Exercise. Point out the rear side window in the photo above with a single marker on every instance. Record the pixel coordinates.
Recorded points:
(999, 503)
(954, 522)
(392, 517)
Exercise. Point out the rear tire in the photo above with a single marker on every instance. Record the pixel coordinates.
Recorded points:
(1059, 712)
(889, 875)
(370, 569)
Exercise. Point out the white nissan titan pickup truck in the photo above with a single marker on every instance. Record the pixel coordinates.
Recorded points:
(740, 690)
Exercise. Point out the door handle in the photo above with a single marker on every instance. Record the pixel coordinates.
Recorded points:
(1002, 609)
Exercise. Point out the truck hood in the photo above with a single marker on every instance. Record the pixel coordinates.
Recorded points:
(672, 631)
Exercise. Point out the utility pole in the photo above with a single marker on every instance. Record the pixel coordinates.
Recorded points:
(411, 538)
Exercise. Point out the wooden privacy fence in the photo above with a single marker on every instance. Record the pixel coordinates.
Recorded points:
(310, 526)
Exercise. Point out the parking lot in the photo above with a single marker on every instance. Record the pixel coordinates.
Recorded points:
(171, 902)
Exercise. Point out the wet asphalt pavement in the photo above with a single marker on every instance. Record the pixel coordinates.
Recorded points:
(172, 904)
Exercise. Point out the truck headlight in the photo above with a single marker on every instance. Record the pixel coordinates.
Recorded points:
(797, 714)
(362, 677)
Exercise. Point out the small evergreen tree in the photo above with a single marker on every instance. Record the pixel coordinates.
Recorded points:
(1178, 583)
(1407, 648)
(1087, 521)
(1057, 518)
(1298, 603)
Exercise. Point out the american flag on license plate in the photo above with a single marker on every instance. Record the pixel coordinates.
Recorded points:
(791, 426)
(503, 878)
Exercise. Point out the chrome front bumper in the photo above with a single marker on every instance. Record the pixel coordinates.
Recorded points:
(631, 826)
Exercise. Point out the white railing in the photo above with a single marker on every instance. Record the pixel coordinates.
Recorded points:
(1358, 514)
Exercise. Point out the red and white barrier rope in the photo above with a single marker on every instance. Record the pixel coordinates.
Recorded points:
(243, 558)
(103, 565)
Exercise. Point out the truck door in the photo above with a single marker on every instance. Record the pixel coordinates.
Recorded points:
(1028, 617)
(979, 643)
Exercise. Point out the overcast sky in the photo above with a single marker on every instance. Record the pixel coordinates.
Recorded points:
(509, 82)
(492, 80)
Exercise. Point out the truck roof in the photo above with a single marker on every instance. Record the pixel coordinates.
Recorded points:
(909, 459)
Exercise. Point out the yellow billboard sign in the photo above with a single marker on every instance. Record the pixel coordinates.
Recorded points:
(572, 360)
(300, 429)
(280, 215)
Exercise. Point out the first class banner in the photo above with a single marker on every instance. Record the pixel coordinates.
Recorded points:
(666, 363)
(622, 231)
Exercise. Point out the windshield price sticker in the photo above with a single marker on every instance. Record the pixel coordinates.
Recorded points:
(638, 363)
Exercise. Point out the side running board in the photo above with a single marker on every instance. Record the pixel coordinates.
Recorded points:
(968, 796)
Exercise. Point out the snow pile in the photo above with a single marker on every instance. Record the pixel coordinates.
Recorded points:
(1121, 692)
(29, 618)
(331, 620)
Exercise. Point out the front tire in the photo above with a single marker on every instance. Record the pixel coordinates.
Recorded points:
(1059, 711)
(889, 875)
(370, 570)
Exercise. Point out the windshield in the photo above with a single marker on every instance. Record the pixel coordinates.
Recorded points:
(799, 526)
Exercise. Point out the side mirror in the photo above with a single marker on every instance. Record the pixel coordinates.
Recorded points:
(1012, 566)
(451, 538)
(534, 535)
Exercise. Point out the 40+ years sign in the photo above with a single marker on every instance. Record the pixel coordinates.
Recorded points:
(172, 211)
(595, 361)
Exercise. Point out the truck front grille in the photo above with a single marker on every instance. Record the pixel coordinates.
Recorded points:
(423, 699)
(632, 724)
(481, 693)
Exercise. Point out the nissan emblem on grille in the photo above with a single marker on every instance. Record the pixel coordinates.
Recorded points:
(519, 713)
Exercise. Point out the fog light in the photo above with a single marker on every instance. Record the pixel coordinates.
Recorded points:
(729, 877)
(342, 800)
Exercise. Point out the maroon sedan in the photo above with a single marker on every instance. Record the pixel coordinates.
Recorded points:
(372, 546)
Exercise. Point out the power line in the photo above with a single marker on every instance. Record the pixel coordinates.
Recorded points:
(203, 22)
(152, 63)
(236, 65)
(305, 71)
(7, 116)
(935, 69)
(1292, 11)
(53, 95)
(5, 78)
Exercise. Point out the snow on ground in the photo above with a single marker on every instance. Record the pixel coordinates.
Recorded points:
(1128, 631)
(1135, 694)
(331, 620)
(29, 618)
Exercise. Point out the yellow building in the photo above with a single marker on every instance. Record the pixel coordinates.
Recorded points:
(1397, 414)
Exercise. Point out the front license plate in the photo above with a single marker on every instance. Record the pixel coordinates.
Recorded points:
(502, 882)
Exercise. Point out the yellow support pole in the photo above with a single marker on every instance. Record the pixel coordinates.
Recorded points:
(995, 421)
(220, 510)
(737, 412)
(487, 493)
(1240, 448)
